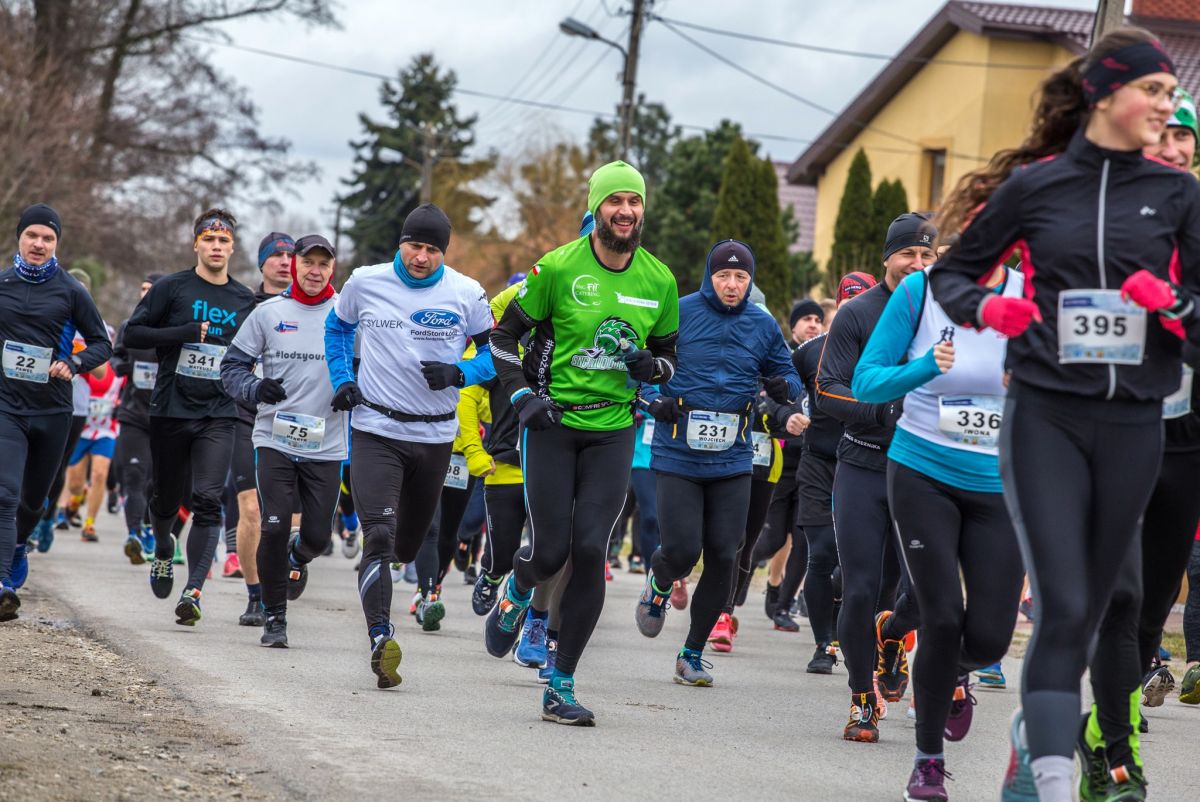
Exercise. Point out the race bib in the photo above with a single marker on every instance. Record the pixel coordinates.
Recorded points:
(200, 361)
(456, 472)
(27, 363)
(762, 448)
(711, 431)
(100, 409)
(648, 433)
(301, 432)
(1179, 403)
(971, 420)
(1097, 327)
(145, 374)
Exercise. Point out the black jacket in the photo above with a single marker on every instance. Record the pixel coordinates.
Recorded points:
(824, 433)
(1086, 219)
(867, 433)
(134, 409)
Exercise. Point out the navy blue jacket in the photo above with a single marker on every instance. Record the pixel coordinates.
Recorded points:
(723, 354)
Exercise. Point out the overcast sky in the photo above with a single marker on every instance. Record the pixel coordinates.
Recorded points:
(492, 46)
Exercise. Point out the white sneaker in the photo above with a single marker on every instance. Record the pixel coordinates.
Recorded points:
(350, 545)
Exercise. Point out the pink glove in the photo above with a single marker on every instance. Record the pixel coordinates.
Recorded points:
(1149, 292)
(1009, 316)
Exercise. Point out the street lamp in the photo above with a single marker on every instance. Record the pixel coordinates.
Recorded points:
(573, 27)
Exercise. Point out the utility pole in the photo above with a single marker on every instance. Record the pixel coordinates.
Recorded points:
(629, 80)
(428, 156)
(1110, 15)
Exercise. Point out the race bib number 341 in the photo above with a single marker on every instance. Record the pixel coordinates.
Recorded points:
(1098, 327)
(200, 361)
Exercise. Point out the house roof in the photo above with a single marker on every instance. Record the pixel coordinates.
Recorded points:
(1069, 28)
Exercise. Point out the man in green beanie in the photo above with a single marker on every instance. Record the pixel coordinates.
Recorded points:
(604, 315)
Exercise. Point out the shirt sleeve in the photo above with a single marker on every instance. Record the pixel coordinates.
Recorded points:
(880, 377)
(836, 368)
(668, 322)
(145, 327)
(249, 338)
(87, 321)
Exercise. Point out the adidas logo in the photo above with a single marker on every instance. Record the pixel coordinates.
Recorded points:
(733, 258)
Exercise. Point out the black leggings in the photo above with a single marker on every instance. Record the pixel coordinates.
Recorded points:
(944, 530)
(396, 489)
(60, 478)
(694, 516)
(437, 551)
(781, 517)
(865, 541)
(280, 479)
(1191, 611)
(815, 515)
(1142, 599)
(575, 484)
(1078, 473)
(346, 499)
(133, 457)
(32, 446)
(505, 521)
(761, 492)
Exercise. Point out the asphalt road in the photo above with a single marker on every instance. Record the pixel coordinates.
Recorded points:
(464, 725)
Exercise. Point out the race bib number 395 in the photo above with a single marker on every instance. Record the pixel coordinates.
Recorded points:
(27, 363)
(1098, 327)
(200, 361)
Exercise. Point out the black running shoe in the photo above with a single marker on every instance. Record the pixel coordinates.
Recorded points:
(328, 550)
(470, 575)
(560, 705)
(483, 597)
(771, 600)
(9, 603)
(462, 555)
(110, 502)
(254, 616)
(275, 632)
(297, 571)
(823, 659)
(187, 611)
(162, 577)
(784, 622)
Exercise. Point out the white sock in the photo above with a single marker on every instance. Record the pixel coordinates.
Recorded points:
(1054, 777)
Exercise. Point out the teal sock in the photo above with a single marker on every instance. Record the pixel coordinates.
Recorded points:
(686, 652)
(559, 680)
(516, 595)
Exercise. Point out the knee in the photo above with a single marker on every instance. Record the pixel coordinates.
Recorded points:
(942, 625)
(986, 646)
(586, 554)
(680, 557)
(248, 504)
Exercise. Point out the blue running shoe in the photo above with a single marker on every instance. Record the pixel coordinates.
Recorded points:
(991, 676)
(1163, 655)
(560, 705)
(162, 577)
(20, 567)
(133, 549)
(547, 671)
(531, 646)
(44, 532)
(1018, 783)
(146, 538)
(503, 623)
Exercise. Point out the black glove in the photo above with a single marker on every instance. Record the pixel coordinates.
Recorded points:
(890, 412)
(439, 375)
(347, 397)
(778, 390)
(664, 409)
(641, 365)
(270, 391)
(537, 413)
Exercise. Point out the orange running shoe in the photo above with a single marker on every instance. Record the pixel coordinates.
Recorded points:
(722, 634)
(891, 662)
(863, 725)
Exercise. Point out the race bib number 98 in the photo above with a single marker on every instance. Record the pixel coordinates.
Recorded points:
(456, 473)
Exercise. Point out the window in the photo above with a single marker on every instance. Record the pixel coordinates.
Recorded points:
(935, 168)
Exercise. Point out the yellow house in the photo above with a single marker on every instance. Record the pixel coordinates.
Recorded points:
(962, 89)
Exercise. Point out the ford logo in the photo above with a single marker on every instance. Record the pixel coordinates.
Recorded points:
(434, 318)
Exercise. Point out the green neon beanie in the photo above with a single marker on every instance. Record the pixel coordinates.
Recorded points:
(614, 177)
(1185, 116)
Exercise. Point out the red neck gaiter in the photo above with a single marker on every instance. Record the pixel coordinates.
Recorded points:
(297, 292)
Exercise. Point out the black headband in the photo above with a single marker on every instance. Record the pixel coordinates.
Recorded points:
(1119, 68)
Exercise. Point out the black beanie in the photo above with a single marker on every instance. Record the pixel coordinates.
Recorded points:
(804, 307)
(908, 230)
(428, 224)
(39, 214)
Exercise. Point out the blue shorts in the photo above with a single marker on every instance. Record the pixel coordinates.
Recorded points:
(101, 447)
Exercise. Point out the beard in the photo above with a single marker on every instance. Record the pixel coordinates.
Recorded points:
(609, 239)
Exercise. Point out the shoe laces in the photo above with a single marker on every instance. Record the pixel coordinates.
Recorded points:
(932, 771)
(957, 705)
(1097, 769)
(537, 632)
(695, 660)
(566, 693)
(161, 569)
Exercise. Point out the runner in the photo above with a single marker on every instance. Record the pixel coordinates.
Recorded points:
(87, 470)
(814, 481)
(414, 312)
(1189, 687)
(862, 515)
(604, 314)
(190, 317)
(41, 308)
(703, 452)
(1128, 642)
(944, 492)
(1092, 357)
(299, 444)
(139, 367)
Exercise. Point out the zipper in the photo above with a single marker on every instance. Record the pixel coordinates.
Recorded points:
(1112, 369)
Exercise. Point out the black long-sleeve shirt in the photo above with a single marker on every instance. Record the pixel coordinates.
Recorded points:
(824, 432)
(168, 318)
(136, 365)
(37, 320)
(1086, 219)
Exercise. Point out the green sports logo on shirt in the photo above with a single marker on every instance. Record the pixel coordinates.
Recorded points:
(605, 351)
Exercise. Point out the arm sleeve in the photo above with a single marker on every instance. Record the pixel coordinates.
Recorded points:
(469, 402)
(120, 361)
(662, 338)
(339, 349)
(145, 330)
(479, 368)
(836, 368)
(880, 376)
(957, 280)
(508, 332)
(237, 373)
(85, 318)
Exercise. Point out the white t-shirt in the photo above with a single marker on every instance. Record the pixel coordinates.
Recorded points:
(398, 328)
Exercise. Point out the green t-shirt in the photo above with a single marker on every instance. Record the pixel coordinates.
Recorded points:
(583, 310)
